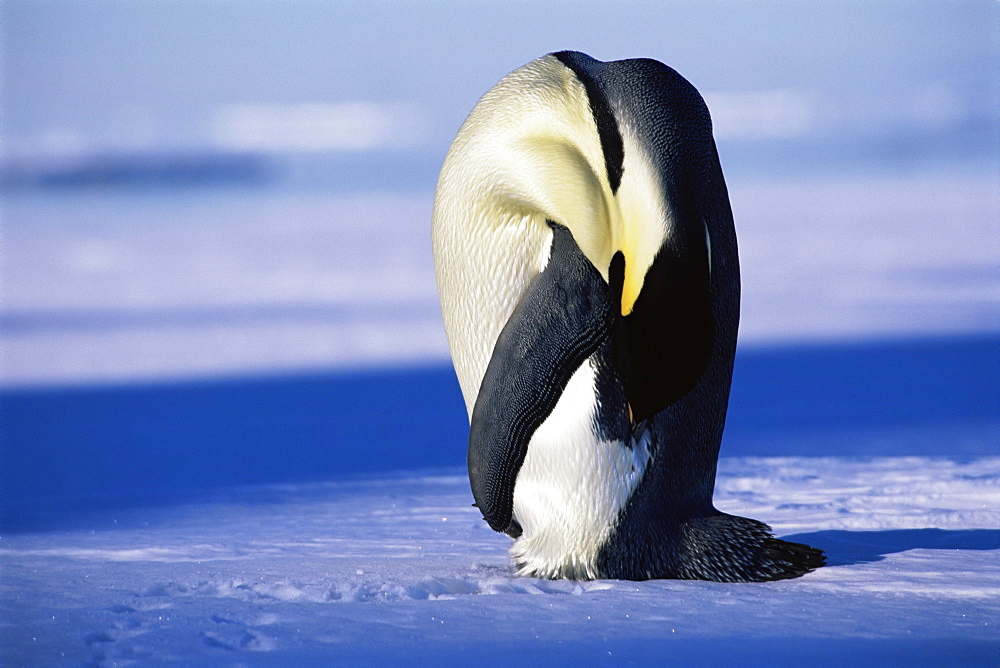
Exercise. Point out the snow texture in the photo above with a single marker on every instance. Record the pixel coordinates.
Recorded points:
(401, 570)
(144, 287)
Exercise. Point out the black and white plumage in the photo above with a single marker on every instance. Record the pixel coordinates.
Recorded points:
(589, 280)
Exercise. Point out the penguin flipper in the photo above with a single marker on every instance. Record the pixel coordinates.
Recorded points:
(566, 313)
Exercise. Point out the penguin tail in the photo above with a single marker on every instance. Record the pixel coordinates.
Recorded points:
(786, 560)
(727, 548)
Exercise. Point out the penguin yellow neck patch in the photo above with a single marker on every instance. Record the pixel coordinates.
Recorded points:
(640, 223)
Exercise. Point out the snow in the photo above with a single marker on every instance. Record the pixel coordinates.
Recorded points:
(400, 569)
(145, 287)
(152, 287)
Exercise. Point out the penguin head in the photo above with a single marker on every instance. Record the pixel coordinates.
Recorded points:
(570, 243)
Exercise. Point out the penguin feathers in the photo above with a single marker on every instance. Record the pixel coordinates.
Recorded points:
(564, 316)
(589, 281)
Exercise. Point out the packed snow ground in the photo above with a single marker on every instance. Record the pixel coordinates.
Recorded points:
(401, 570)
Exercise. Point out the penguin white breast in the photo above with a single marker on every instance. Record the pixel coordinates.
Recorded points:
(572, 487)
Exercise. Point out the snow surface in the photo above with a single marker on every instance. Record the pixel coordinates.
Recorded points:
(401, 570)
(144, 286)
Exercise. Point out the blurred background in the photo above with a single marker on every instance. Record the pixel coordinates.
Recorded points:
(216, 264)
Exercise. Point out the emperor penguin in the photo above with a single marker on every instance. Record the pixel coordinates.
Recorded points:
(587, 268)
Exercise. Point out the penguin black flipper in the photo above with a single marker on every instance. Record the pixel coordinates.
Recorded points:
(565, 315)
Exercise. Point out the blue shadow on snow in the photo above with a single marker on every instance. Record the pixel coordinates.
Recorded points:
(845, 548)
(65, 450)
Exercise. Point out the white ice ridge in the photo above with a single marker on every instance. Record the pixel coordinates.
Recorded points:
(142, 288)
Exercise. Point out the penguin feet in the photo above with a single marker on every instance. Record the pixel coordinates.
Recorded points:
(727, 548)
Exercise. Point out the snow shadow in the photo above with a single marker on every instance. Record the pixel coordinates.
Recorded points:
(70, 450)
(847, 548)
(867, 398)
